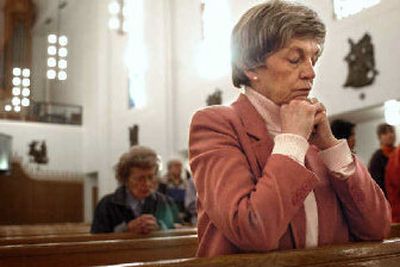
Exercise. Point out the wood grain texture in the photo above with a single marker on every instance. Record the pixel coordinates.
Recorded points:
(28, 201)
(356, 254)
(98, 252)
(81, 237)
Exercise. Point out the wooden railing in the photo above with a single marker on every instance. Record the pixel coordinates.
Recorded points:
(85, 236)
(380, 254)
(24, 200)
(176, 248)
(40, 230)
(99, 252)
(48, 112)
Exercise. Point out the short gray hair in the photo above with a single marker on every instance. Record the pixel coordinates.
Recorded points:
(267, 27)
(141, 157)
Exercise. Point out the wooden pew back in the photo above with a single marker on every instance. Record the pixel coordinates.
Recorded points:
(43, 229)
(91, 237)
(394, 230)
(384, 254)
(98, 252)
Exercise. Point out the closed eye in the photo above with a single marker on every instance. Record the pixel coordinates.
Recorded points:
(294, 61)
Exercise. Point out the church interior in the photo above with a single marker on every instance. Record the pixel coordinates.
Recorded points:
(81, 82)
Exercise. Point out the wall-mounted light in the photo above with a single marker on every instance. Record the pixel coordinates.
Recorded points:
(57, 57)
(345, 8)
(21, 89)
(8, 108)
(118, 16)
(392, 112)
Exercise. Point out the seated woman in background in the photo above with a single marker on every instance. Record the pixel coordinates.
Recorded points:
(134, 206)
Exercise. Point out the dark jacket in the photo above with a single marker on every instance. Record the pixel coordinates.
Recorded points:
(113, 210)
(377, 167)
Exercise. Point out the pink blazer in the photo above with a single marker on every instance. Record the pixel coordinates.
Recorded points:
(252, 201)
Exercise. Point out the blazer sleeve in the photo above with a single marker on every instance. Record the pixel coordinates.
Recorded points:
(392, 184)
(364, 204)
(252, 212)
(101, 219)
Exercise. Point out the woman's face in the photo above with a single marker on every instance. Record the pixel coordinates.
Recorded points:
(288, 73)
(140, 182)
(176, 169)
(388, 138)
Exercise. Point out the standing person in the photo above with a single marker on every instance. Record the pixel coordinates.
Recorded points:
(392, 183)
(134, 206)
(379, 159)
(342, 129)
(269, 173)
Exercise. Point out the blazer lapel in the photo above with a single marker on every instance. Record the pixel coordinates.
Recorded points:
(262, 145)
(254, 125)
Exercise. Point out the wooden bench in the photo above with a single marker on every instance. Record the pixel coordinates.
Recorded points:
(91, 237)
(43, 229)
(98, 252)
(395, 230)
(384, 254)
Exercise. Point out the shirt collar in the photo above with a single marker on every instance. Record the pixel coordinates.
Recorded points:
(268, 110)
(131, 200)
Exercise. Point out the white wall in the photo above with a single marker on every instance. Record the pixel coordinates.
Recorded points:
(64, 143)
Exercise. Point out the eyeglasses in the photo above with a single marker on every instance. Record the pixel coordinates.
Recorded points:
(142, 178)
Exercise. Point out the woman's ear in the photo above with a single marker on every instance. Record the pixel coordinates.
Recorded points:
(251, 74)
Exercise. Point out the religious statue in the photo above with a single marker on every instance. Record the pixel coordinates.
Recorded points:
(38, 152)
(215, 98)
(361, 63)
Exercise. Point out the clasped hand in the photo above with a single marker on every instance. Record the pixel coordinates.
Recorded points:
(144, 224)
(308, 119)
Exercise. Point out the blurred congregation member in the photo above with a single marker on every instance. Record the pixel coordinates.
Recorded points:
(134, 206)
(268, 171)
(175, 186)
(392, 183)
(190, 199)
(342, 129)
(377, 164)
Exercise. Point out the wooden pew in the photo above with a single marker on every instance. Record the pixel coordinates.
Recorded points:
(43, 229)
(91, 237)
(384, 254)
(55, 197)
(395, 230)
(98, 252)
(67, 235)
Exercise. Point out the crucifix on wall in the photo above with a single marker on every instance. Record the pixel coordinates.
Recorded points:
(134, 135)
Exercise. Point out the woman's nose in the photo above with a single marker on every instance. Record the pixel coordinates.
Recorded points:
(307, 71)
